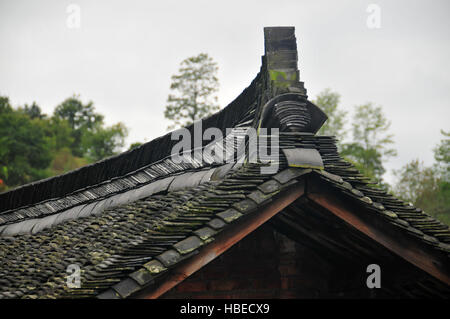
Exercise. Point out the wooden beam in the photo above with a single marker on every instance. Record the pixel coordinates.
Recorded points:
(223, 241)
(401, 246)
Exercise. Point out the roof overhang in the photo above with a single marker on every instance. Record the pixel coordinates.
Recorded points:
(311, 188)
(224, 241)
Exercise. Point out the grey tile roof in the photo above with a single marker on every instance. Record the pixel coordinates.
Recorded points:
(141, 214)
(131, 246)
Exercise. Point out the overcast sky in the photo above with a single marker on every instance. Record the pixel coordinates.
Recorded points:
(123, 53)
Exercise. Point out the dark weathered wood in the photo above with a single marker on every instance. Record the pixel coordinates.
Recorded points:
(224, 241)
(397, 243)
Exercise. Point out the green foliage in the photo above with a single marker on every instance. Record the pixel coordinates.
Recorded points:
(368, 161)
(370, 142)
(4, 172)
(328, 101)
(59, 133)
(33, 111)
(88, 136)
(35, 146)
(436, 202)
(134, 145)
(428, 187)
(5, 107)
(81, 117)
(63, 161)
(442, 157)
(370, 147)
(195, 85)
(3, 186)
(424, 187)
(414, 179)
(102, 142)
(24, 148)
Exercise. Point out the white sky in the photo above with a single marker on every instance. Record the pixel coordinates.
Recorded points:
(124, 53)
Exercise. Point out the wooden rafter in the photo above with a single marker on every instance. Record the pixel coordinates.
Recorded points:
(224, 241)
(382, 233)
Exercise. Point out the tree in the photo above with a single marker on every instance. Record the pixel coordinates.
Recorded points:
(425, 188)
(34, 146)
(79, 115)
(370, 144)
(102, 142)
(33, 111)
(328, 101)
(4, 105)
(25, 150)
(442, 156)
(59, 132)
(90, 138)
(81, 118)
(428, 187)
(195, 85)
(441, 200)
(413, 180)
(370, 147)
(63, 161)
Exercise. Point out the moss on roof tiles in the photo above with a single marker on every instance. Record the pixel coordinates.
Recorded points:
(118, 242)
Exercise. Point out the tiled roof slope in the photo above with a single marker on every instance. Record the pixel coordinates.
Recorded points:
(129, 247)
(130, 227)
(153, 233)
(239, 113)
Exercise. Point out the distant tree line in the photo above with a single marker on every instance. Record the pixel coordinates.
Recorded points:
(370, 146)
(34, 145)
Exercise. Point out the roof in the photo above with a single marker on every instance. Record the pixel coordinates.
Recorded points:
(139, 223)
